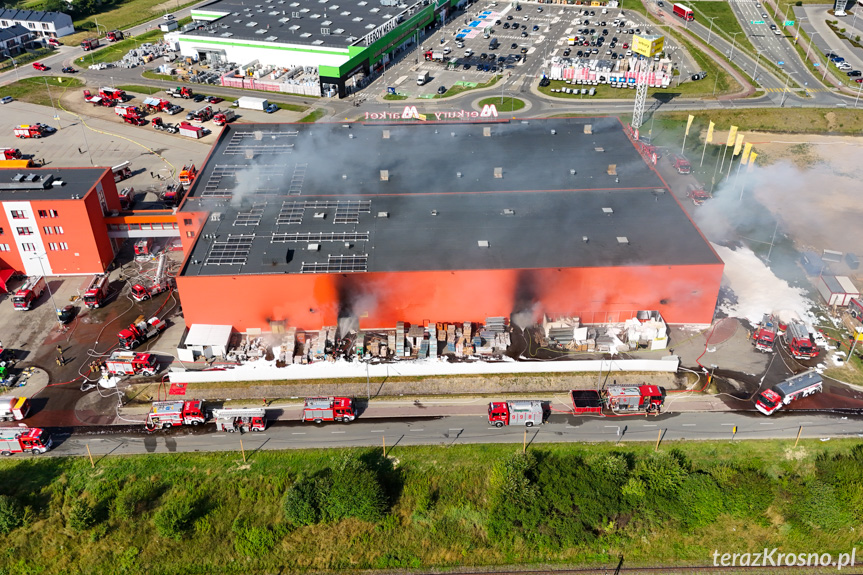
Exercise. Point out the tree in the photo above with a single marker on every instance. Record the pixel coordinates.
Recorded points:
(11, 514)
(302, 502)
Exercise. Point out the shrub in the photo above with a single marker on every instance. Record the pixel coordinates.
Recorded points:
(80, 516)
(821, 508)
(354, 491)
(700, 500)
(252, 541)
(301, 504)
(132, 497)
(175, 517)
(11, 514)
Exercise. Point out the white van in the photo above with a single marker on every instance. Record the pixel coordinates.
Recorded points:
(468, 53)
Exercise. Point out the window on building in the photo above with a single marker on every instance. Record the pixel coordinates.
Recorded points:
(24, 231)
(47, 230)
(64, 246)
(58, 229)
(31, 25)
(28, 247)
(187, 222)
(47, 213)
(60, 246)
(45, 26)
(4, 23)
(1, 231)
(4, 247)
(19, 215)
(190, 234)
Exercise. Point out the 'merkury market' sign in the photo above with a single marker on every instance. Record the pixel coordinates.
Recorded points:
(411, 113)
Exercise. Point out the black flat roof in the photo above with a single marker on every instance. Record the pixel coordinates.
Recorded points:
(298, 21)
(26, 184)
(296, 198)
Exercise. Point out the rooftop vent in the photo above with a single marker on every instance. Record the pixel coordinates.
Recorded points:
(588, 128)
(385, 175)
(383, 214)
(607, 211)
(585, 239)
(622, 240)
(509, 212)
(553, 132)
(482, 243)
(216, 217)
(251, 24)
(599, 149)
(612, 169)
(259, 135)
(434, 212)
(498, 173)
(250, 154)
(313, 247)
(305, 35)
(486, 132)
(320, 215)
(386, 134)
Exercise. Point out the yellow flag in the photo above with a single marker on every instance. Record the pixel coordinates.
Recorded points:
(732, 134)
(709, 138)
(744, 159)
(689, 123)
(738, 143)
(752, 157)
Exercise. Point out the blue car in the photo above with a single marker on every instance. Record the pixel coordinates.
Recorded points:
(271, 108)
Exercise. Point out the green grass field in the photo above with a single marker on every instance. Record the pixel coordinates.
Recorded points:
(116, 51)
(805, 120)
(445, 507)
(33, 90)
(503, 104)
(314, 116)
(458, 89)
(121, 16)
(725, 23)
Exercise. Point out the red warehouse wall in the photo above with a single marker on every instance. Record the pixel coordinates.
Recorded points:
(9, 256)
(683, 294)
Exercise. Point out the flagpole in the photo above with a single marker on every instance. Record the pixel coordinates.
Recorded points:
(684, 144)
(730, 163)
(702, 154)
(737, 176)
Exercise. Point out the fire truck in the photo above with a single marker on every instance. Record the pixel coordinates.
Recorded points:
(799, 344)
(172, 193)
(114, 35)
(122, 171)
(771, 400)
(174, 413)
(97, 291)
(124, 111)
(765, 334)
(683, 11)
(855, 306)
(240, 419)
(89, 44)
(22, 439)
(112, 94)
(159, 285)
(156, 104)
(31, 290)
(222, 117)
(681, 164)
(131, 363)
(320, 409)
(188, 175)
(33, 131)
(143, 247)
(11, 153)
(140, 331)
(14, 408)
(638, 398)
(522, 412)
(696, 193)
(180, 92)
(201, 115)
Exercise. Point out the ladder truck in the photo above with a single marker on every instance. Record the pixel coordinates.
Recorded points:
(160, 282)
(240, 419)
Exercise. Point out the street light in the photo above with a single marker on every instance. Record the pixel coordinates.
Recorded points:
(755, 73)
(711, 28)
(857, 99)
(38, 257)
(785, 89)
(811, 37)
(733, 43)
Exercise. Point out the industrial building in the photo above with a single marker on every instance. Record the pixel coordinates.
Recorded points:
(345, 40)
(53, 221)
(301, 225)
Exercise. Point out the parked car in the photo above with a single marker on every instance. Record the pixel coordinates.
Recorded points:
(199, 97)
(214, 99)
(544, 82)
(271, 108)
(6, 99)
(441, 90)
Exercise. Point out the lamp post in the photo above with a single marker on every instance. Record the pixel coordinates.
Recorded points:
(785, 89)
(857, 99)
(755, 73)
(56, 115)
(48, 286)
(811, 37)
(711, 28)
(733, 44)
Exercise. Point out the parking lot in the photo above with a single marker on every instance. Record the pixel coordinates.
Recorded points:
(519, 42)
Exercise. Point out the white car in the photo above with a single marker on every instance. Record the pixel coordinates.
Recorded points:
(778, 32)
(6, 99)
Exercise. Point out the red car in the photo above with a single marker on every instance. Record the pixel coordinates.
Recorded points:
(214, 99)
(40, 67)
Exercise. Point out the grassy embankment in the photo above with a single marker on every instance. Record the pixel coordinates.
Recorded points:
(503, 104)
(314, 116)
(33, 90)
(428, 507)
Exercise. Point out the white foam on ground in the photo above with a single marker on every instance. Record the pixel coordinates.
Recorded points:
(756, 287)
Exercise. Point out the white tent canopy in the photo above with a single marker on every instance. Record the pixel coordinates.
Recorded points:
(208, 340)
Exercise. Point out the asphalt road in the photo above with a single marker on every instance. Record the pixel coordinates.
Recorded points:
(467, 429)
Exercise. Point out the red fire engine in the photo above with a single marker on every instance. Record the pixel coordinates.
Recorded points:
(795, 387)
(31, 290)
(765, 334)
(14, 408)
(32, 131)
(114, 35)
(644, 398)
(11, 153)
(140, 331)
(240, 419)
(173, 413)
(799, 343)
(131, 363)
(188, 175)
(89, 44)
(320, 409)
(97, 291)
(143, 247)
(159, 285)
(681, 164)
(524, 412)
(21, 439)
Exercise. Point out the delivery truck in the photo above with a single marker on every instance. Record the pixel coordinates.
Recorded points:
(250, 103)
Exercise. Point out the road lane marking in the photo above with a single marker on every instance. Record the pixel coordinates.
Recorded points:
(649, 425)
(299, 433)
(687, 424)
(765, 424)
(416, 429)
(337, 432)
(378, 430)
(727, 424)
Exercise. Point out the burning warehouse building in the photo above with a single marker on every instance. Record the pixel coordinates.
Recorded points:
(301, 225)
